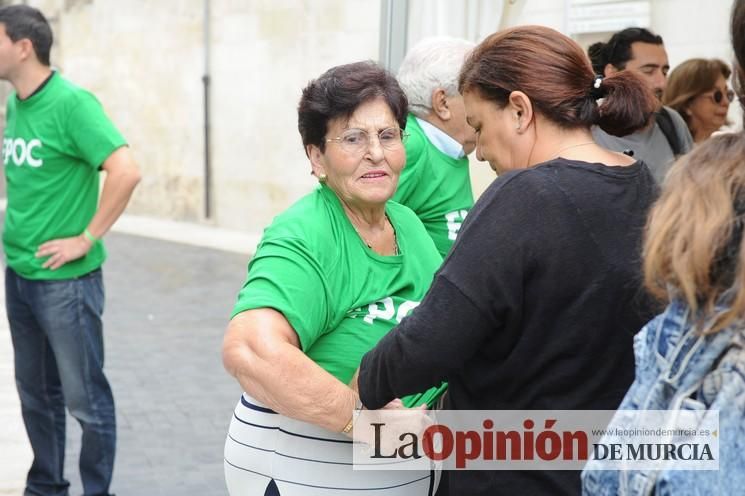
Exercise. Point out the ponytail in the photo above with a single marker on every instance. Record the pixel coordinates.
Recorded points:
(626, 106)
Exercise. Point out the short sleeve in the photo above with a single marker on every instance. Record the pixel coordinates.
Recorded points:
(284, 275)
(92, 133)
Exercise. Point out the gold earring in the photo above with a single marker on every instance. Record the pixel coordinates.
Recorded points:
(322, 178)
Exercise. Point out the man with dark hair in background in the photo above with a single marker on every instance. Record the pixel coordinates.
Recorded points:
(667, 136)
(57, 140)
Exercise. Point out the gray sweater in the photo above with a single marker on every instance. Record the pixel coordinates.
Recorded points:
(649, 145)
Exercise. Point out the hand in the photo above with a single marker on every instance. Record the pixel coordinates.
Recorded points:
(394, 404)
(63, 250)
(382, 430)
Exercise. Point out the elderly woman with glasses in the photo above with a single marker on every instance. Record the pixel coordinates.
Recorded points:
(698, 90)
(331, 276)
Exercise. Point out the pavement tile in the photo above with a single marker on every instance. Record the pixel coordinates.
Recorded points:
(167, 305)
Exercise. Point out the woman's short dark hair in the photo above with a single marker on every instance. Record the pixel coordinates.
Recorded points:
(339, 91)
(553, 71)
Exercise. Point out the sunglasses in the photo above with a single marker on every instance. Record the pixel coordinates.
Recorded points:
(719, 95)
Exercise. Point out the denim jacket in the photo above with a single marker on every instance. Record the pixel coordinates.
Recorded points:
(679, 368)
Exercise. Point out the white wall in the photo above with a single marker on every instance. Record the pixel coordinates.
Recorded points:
(693, 28)
(265, 52)
(145, 61)
(142, 59)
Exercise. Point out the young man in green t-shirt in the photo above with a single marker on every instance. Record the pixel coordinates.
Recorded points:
(436, 183)
(57, 139)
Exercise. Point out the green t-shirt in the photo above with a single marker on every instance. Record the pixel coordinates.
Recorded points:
(55, 141)
(340, 296)
(435, 186)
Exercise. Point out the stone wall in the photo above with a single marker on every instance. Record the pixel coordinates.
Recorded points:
(145, 61)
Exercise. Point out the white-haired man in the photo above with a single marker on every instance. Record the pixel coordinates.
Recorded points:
(436, 183)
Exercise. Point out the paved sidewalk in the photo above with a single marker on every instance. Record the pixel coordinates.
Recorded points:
(167, 306)
(15, 453)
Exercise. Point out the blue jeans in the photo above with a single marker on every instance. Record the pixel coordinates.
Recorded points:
(57, 337)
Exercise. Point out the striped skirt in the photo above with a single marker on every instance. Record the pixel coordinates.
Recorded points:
(268, 454)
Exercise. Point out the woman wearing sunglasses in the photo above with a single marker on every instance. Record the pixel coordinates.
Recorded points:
(698, 90)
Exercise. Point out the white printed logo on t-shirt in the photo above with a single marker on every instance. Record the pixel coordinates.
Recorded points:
(454, 221)
(21, 152)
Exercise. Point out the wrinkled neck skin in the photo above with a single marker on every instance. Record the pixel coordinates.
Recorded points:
(367, 218)
(373, 226)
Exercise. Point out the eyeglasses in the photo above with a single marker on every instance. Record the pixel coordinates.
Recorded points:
(357, 141)
(718, 95)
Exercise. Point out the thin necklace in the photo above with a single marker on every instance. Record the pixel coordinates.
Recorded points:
(369, 245)
(573, 146)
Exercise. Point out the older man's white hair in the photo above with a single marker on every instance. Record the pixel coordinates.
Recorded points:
(431, 64)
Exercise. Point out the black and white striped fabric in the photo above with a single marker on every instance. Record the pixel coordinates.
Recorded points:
(268, 454)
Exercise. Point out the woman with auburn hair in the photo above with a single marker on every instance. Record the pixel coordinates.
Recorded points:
(697, 90)
(536, 305)
(692, 355)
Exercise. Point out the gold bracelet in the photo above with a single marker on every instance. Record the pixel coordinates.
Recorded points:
(348, 428)
(358, 406)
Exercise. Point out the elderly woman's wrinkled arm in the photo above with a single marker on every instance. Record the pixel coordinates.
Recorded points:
(262, 351)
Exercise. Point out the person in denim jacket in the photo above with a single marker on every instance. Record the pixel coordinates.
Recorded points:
(692, 356)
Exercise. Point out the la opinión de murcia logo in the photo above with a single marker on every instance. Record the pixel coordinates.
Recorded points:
(549, 442)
